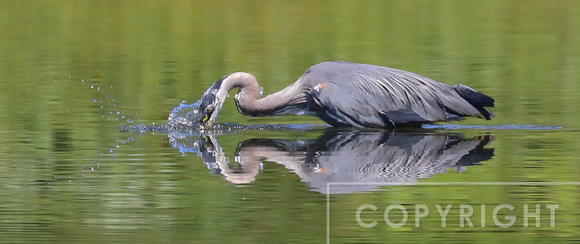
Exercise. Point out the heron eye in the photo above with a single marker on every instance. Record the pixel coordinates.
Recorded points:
(210, 110)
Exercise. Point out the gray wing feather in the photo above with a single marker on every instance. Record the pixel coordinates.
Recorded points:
(375, 96)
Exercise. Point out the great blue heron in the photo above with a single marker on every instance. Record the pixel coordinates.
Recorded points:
(351, 94)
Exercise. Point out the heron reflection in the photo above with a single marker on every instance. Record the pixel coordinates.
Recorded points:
(351, 156)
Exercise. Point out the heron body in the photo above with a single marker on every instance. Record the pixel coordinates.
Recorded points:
(354, 95)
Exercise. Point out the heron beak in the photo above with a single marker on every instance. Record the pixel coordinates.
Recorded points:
(204, 122)
(207, 110)
(210, 106)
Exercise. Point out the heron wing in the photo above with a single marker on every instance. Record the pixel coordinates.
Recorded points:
(375, 96)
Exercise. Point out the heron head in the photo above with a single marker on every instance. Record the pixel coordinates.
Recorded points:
(211, 104)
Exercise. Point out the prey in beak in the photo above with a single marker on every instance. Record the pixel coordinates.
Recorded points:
(210, 106)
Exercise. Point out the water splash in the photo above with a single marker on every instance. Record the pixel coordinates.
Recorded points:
(185, 114)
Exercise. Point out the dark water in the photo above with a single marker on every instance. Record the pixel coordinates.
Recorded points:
(86, 88)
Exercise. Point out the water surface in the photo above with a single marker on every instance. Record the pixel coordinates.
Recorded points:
(86, 88)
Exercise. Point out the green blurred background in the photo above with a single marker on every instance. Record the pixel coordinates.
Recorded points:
(72, 72)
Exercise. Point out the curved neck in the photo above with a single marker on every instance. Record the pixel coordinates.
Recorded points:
(248, 98)
(246, 82)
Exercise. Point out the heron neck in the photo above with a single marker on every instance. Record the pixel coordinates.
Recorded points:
(248, 98)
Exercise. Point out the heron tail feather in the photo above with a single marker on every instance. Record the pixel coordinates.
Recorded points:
(477, 99)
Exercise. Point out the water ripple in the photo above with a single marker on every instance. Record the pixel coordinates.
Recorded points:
(491, 127)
